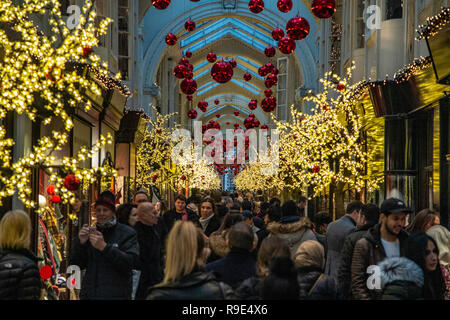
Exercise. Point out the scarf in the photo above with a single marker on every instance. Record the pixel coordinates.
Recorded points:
(111, 223)
(205, 222)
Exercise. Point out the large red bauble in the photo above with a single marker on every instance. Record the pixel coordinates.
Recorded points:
(248, 123)
(51, 190)
(180, 71)
(275, 71)
(269, 52)
(71, 182)
(55, 199)
(202, 105)
(297, 28)
(189, 25)
(217, 101)
(286, 45)
(269, 104)
(211, 57)
(264, 127)
(284, 5)
(271, 80)
(188, 54)
(188, 86)
(251, 115)
(256, 123)
(256, 6)
(189, 74)
(253, 104)
(247, 76)
(269, 66)
(192, 114)
(232, 63)
(160, 4)
(323, 9)
(277, 34)
(222, 72)
(262, 71)
(184, 62)
(267, 92)
(171, 39)
(237, 113)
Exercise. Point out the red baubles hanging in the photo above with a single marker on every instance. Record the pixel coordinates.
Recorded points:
(179, 71)
(277, 34)
(284, 5)
(269, 52)
(216, 102)
(71, 182)
(297, 28)
(55, 199)
(253, 104)
(323, 9)
(269, 104)
(340, 86)
(275, 71)
(262, 71)
(87, 50)
(202, 105)
(286, 45)
(51, 190)
(192, 114)
(271, 80)
(233, 63)
(256, 6)
(184, 62)
(160, 4)
(264, 127)
(188, 86)
(316, 169)
(218, 116)
(249, 122)
(188, 54)
(171, 39)
(211, 57)
(189, 25)
(256, 123)
(236, 113)
(247, 76)
(189, 97)
(269, 67)
(268, 92)
(222, 72)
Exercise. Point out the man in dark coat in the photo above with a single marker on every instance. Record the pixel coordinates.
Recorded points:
(108, 253)
(369, 217)
(180, 212)
(335, 236)
(386, 239)
(239, 264)
(149, 249)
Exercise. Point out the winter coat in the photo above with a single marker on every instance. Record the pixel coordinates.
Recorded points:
(370, 251)
(326, 288)
(149, 257)
(337, 231)
(344, 276)
(250, 289)
(19, 275)
(238, 265)
(171, 216)
(108, 272)
(218, 245)
(212, 226)
(195, 286)
(401, 279)
(293, 230)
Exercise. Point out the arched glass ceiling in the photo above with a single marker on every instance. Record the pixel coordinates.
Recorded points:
(212, 84)
(248, 86)
(206, 87)
(252, 63)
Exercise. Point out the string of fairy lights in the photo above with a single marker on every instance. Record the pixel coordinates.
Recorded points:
(434, 24)
(37, 80)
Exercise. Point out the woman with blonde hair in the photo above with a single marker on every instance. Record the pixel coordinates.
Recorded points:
(19, 273)
(184, 278)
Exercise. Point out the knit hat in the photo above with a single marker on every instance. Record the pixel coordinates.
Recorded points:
(310, 254)
(441, 235)
(106, 199)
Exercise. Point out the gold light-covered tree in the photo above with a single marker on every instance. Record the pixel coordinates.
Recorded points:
(42, 64)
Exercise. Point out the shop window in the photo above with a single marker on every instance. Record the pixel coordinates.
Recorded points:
(360, 25)
(394, 9)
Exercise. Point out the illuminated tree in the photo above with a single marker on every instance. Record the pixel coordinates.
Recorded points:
(42, 75)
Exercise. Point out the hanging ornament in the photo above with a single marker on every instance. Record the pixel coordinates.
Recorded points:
(158, 131)
(184, 62)
(248, 123)
(188, 54)
(183, 177)
(269, 52)
(268, 92)
(160, 4)
(284, 5)
(256, 123)
(236, 126)
(192, 114)
(247, 76)
(316, 169)
(269, 67)
(171, 39)
(325, 107)
(211, 57)
(189, 97)
(253, 104)
(251, 115)
(297, 28)
(188, 74)
(180, 71)
(275, 71)
(340, 86)
(237, 113)
(216, 102)
(264, 127)
(286, 45)
(51, 190)
(256, 6)
(87, 50)
(277, 34)
(188, 86)
(204, 128)
(269, 104)
(222, 72)
(232, 63)
(202, 105)
(189, 25)
(262, 71)
(323, 9)
(227, 123)
(218, 116)
(71, 182)
(190, 67)
(55, 199)
(271, 80)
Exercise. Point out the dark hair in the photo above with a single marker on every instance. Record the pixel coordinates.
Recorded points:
(180, 197)
(141, 191)
(421, 220)
(321, 218)
(222, 211)
(434, 285)
(247, 205)
(210, 201)
(302, 199)
(354, 205)
(275, 200)
(163, 206)
(264, 207)
(241, 236)
(274, 213)
(289, 208)
(123, 212)
(371, 212)
(216, 195)
(229, 220)
(236, 208)
(272, 247)
(281, 283)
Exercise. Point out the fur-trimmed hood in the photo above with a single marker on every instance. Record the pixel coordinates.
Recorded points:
(218, 243)
(400, 269)
(286, 228)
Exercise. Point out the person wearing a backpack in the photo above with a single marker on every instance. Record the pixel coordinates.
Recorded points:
(314, 284)
(19, 273)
